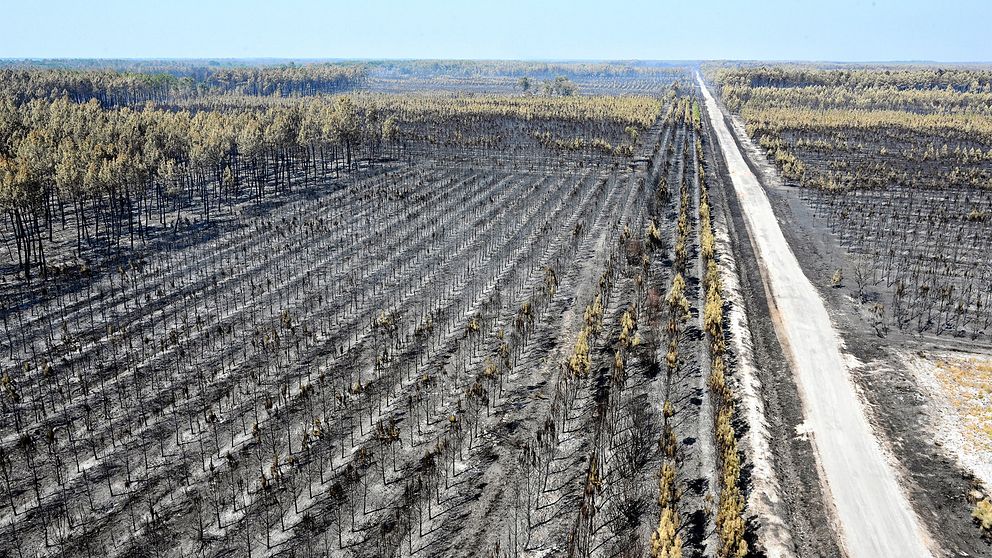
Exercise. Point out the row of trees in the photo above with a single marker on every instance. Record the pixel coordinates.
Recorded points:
(560, 85)
(901, 77)
(590, 110)
(823, 97)
(730, 524)
(510, 68)
(667, 539)
(172, 82)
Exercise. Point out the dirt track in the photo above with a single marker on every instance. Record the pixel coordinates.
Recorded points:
(873, 513)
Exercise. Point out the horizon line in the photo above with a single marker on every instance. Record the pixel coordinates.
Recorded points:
(431, 59)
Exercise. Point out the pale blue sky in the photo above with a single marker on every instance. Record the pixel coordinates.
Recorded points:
(842, 30)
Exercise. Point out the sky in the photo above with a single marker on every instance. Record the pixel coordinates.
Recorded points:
(823, 30)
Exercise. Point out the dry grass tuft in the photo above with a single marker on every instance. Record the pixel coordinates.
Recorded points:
(967, 383)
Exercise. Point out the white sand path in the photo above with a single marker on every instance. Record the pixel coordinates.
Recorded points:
(873, 514)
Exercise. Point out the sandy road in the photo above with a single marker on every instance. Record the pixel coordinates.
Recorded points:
(874, 515)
